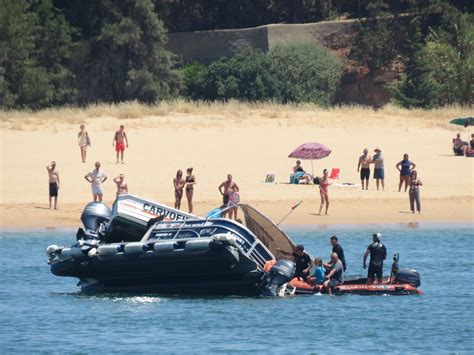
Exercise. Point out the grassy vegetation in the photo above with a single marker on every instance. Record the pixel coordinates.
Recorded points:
(176, 112)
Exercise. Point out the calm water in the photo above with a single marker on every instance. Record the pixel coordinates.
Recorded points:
(43, 313)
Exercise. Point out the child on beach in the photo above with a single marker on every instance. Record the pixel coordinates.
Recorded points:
(318, 271)
(122, 187)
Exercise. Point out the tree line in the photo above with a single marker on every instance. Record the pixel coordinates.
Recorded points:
(58, 52)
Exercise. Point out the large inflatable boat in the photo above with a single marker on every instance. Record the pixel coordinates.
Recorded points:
(143, 246)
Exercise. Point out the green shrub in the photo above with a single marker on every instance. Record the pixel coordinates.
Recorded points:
(291, 73)
(305, 72)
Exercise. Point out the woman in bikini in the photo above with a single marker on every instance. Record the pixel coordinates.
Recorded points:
(178, 183)
(323, 191)
(414, 192)
(83, 141)
(190, 182)
(122, 187)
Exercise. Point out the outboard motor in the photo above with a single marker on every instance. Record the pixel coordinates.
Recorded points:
(280, 273)
(94, 214)
(407, 276)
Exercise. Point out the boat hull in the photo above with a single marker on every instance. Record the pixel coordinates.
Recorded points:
(222, 271)
(357, 286)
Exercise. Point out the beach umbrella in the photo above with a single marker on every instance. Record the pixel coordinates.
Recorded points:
(310, 151)
(463, 121)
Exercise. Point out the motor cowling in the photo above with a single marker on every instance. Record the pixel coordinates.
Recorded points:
(282, 272)
(407, 276)
(94, 214)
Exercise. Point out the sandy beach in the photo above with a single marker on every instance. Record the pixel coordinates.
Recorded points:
(245, 140)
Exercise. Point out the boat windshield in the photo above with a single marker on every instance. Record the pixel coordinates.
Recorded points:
(267, 232)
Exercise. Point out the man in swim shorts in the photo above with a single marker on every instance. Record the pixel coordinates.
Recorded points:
(364, 167)
(96, 177)
(53, 176)
(120, 141)
(230, 196)
(379, 170)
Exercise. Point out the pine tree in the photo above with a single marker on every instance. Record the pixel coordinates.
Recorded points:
(34, 46)
(121, 56)
(417, 87)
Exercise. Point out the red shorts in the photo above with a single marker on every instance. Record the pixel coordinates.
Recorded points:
(119, 147)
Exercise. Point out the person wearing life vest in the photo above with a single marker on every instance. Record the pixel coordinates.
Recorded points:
(378, 253)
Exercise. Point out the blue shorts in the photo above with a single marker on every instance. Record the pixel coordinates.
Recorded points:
(379, 174)
(364, 174)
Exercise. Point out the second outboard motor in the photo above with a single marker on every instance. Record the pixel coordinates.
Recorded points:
(406, 276)
(280, 273)
(94, 214)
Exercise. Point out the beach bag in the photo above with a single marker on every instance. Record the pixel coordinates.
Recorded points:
(88, 140)
(316, 180)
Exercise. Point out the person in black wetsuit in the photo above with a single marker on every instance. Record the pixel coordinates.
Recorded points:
(378, 253)
(337, 248)
(302, 261)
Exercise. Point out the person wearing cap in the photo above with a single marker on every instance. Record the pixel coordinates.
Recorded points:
(379, 171)
(378, 253)
(364, 167)
(53, 177)
(302, 261)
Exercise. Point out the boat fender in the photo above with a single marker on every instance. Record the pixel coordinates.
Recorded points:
(197, 244)
(162, 247)
(52, 249)
(93, 252)
(110, 249)
(134, 247)
(74, 251)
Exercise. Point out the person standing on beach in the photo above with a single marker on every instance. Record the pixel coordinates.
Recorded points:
(405, 167)
(337, 248)
(122, 187)
(120, 141)
(230, 196)
(53, 177)
(83, 141)
(378, 253)
(96, 178)
(364, 167)
(414, 192)
(379, 171)
(178, 183)
(323, 192)
(190, 181)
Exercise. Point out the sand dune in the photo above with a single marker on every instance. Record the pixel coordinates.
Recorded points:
(248, 141)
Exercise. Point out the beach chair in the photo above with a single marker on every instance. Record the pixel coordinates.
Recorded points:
(335, 173)
(270, 178)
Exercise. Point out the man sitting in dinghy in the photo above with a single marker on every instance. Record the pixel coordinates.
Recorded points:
(334, 277)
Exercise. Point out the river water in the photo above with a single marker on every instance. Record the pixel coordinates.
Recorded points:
(41, 313)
